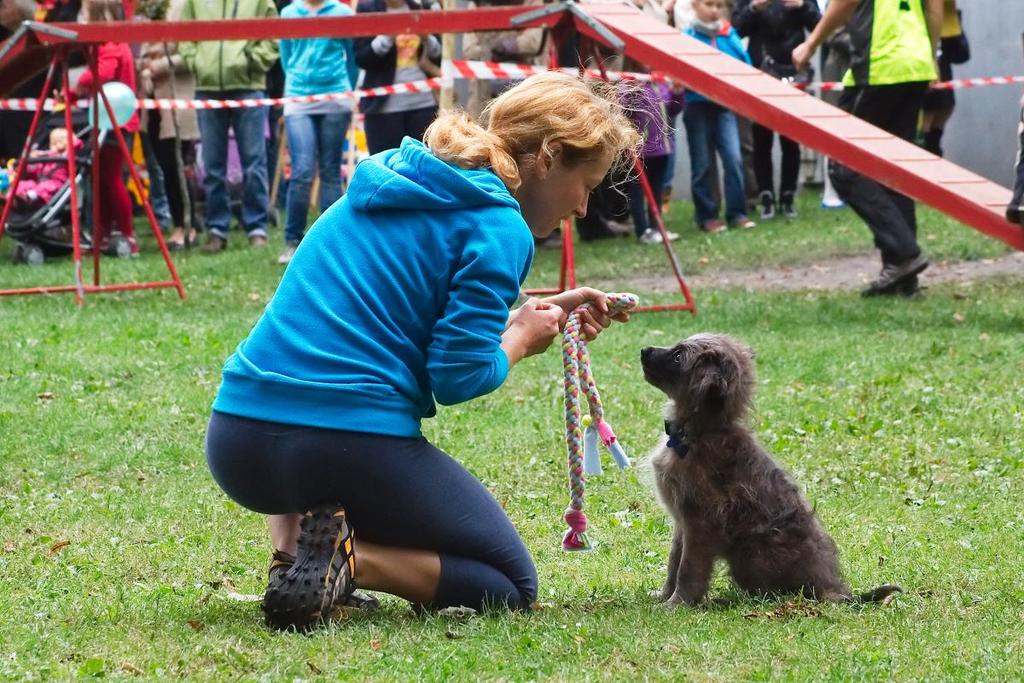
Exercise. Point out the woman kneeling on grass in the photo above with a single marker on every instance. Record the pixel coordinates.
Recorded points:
(400, 295)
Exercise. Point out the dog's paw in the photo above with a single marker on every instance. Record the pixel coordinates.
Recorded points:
(659, 595)
(677, 600)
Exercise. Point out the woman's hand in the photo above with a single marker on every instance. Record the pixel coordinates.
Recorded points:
(593, 319)
(531, 329)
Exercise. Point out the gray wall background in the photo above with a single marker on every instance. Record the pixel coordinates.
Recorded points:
(982, 135)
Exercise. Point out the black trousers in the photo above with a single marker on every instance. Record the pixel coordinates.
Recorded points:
(400, 492)
(889, 214)
(764, 138)
(385, 131)
(164, 150)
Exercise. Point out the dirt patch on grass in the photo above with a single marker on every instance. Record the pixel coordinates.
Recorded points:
(850, 272)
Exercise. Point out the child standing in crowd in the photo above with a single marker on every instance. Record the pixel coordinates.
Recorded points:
(774, 28)
(397, 59)
(655, 105)
(315, 130)
(708, 121)
(114, 63)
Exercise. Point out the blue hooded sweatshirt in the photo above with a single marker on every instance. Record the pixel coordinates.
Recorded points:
(725, 40)
(315, 66)
(397, 296)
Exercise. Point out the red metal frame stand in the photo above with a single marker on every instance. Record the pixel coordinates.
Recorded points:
(59, 61)
(655, 204)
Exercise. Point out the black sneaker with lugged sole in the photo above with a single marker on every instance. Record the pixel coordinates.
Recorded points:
(281, 562)
(321, 575)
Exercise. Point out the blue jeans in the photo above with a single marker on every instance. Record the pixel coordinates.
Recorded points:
(249, 125)
(708, 121)
(313, 139)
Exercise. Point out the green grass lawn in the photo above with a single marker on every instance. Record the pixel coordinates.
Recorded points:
(901, 419)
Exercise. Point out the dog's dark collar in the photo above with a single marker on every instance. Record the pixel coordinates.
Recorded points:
(677, 438)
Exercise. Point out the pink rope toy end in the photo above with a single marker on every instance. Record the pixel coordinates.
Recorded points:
(607, 435)
(609, 439)
(575, 538)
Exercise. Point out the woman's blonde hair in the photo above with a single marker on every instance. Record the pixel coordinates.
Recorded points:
(584, 116)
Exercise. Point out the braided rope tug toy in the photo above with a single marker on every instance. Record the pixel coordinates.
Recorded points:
(582, 434)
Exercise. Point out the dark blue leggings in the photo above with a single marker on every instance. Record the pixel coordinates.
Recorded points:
(399, 492)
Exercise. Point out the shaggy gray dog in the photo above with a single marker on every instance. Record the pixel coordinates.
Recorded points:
(727, 497)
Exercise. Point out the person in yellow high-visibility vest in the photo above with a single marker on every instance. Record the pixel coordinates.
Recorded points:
(893, 61)
(939, 104)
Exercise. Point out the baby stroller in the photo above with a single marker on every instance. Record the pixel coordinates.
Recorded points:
(42, 229)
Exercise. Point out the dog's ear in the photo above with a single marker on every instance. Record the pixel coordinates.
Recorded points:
(710, 381)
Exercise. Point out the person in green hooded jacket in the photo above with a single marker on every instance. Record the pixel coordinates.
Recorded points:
(232, 69)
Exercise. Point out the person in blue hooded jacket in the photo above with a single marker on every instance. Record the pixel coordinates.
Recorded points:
(400, 296)
(315, 130)
(710, 126)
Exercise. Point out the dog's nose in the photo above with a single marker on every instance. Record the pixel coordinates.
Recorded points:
(645, 353)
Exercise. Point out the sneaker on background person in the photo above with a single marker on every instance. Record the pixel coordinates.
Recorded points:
(714, 225)
(214, 244)
(767, 205)
(652, 236)
(289, 251)
(897, 278)
(743, 223)
(830, 199)
(787, 205)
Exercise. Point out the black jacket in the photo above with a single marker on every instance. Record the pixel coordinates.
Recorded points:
(380, 69)
(775, 30)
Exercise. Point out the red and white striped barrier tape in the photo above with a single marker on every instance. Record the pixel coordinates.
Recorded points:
(29, 104)
(957, 84)
(505, 71)
(455, 69)
(470, 70)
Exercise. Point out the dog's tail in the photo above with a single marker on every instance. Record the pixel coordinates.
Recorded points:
(881, 594)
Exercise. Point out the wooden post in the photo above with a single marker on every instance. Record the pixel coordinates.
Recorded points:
(447, 102)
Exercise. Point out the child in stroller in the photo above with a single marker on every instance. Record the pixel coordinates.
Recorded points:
(46, 174)
(40, 217)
